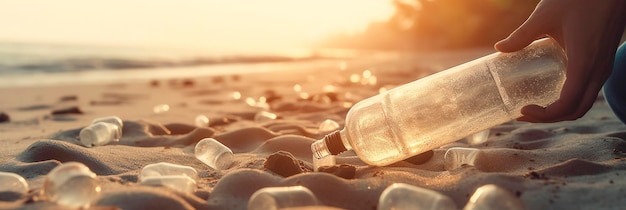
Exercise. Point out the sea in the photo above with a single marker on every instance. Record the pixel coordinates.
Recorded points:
(33, 64)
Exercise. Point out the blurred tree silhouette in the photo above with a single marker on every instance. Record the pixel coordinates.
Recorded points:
(428, 24)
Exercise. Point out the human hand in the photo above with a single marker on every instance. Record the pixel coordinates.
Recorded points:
(589, 32)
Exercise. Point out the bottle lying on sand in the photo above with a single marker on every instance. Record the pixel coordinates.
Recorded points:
(450, 105)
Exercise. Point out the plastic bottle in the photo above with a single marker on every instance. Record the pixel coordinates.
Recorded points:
(72, 184)
(281, 198)
(12, 186)
(400, 196)
(492, 197)
(177, 177)
(214, 154)
(450, 105)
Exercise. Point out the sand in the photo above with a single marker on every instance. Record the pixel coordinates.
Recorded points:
(568, 165)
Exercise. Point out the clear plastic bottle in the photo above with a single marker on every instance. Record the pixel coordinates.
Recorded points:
(450, 105)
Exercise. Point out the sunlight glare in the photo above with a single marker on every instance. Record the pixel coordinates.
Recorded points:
(224, 24)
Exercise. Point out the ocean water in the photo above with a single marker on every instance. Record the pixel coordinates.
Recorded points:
(29, 64)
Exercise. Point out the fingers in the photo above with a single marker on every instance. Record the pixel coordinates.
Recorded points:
(528, 32)
(540, 23)
(585, 77)
(574, 89)
(560, 110)
(519, 39)
(590, 33)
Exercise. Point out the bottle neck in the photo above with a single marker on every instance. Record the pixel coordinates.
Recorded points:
(331, 144)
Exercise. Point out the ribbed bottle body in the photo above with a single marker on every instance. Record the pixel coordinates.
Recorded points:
(452, 104)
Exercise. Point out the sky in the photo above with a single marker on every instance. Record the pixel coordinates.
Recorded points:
(216, 24)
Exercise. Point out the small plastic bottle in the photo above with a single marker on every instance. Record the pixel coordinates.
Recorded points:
(98, 134)
(492, 197)
(458, 156)
(281, 198)
(400, 196)
(178, 177)
(202, 121)
(214, 154)
(448, 106)
(113, 120)
(102, 131)
(72, 184)
(12, 186)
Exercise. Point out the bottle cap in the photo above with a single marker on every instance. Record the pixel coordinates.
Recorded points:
(331, 144)
(334, 143)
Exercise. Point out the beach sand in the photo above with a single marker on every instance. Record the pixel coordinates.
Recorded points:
(568, 165)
